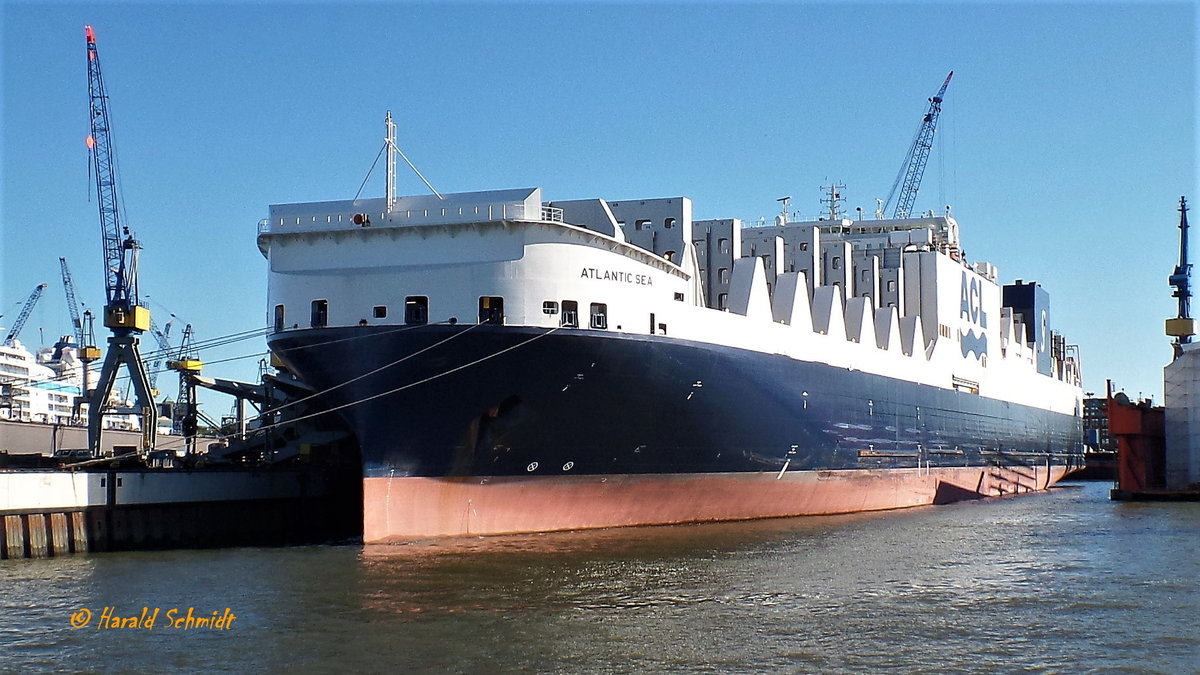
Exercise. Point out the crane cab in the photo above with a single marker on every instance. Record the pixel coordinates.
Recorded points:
(134, 318)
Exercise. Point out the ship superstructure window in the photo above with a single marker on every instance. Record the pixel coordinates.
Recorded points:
(278, 318)
(599, 315)
(416, 309)
(320, 314)
(570, 314)
(491, 309)
(641, 224)
(380, 311)
(679, 297)
(723, 301)
(550, 307)
(722, 275)
(669, 223)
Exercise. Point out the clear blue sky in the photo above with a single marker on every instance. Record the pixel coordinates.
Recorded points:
(1068, 134)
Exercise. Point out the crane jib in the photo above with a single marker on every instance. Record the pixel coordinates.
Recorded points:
(911, 172)
(122, 310)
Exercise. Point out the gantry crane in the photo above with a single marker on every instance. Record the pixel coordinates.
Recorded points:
(189, 366)
(909, 178)
(84, 349)
(24, 315)
(72, 303)
(162, 337)
(123, 313)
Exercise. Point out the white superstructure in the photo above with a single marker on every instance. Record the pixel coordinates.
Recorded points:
(891, 297)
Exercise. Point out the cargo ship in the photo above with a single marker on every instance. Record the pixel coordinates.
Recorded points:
(511, 363)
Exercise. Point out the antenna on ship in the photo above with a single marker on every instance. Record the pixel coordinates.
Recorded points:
(393, 150)
(1183, 326)
(782, 218)
(389, 146)
(834, 200)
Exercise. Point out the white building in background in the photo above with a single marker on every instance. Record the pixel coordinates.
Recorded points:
(42, 387)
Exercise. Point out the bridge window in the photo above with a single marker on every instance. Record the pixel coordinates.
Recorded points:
(320, 314)
(278, 318)
(599, 312)
(416, 309)
(570, 314)
(491, 309)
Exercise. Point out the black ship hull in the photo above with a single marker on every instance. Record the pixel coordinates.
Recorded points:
(460, 403)
(505, 401)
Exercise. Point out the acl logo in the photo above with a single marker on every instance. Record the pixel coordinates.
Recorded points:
(971, 306)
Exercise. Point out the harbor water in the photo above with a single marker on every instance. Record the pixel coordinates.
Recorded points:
(1061, 581)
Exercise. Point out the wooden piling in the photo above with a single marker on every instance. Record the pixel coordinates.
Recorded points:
(39, 544)
(79, 533)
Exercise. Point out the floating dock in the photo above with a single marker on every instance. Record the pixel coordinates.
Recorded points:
(1140, 430)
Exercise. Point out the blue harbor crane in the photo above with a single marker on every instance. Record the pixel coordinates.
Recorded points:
(163, 338)
(24, 315)
(1183, 326)
(124, 315)
(913, 169)
(72, 303)
(84, 349)
(186, 412)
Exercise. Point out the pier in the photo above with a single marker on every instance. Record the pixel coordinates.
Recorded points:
(47, 513)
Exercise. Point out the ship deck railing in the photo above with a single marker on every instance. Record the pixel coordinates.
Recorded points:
(453, 215)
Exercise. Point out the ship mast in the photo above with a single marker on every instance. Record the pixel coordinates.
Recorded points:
(393, 150)
(390, 140)
(1183, 326)
(834, 200)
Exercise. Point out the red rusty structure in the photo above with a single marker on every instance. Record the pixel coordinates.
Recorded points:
(1139, 429)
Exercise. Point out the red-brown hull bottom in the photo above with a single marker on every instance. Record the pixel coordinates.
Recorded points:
(403, 509)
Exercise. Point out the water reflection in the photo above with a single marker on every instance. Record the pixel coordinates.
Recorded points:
(1045, 581)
